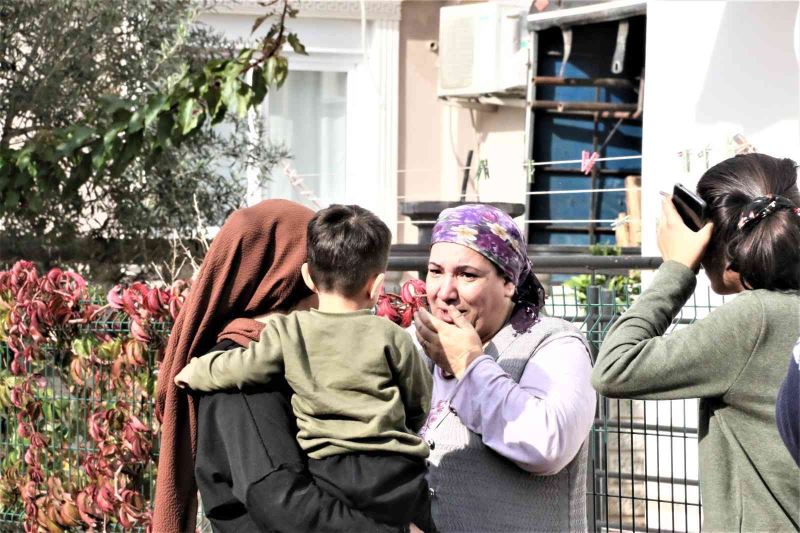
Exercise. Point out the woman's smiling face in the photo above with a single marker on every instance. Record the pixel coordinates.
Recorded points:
(462, 277)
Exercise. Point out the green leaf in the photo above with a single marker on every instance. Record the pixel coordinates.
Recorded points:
(220, 114)
(201, 118)
(155, 105)
(245, 55)
(214, 66)
(79, 175)
(229, 89)
(273, 31)
(45, 152)
(34, 203)
(23, 156)
(22, 180)
(152, 159)
(164, 129)
(74, 139)
(32, 169)
(269, 72)
(233, 69)
(258, 22)
(187, 116)
(243, 98)
(82, 347)
(98, 155)
(199, 83)
(121, 115)
(136, 122)
(110, 104)
(111, 135)
(132, 147)
(281, 71)
(11, 199)
(296, 45)
(259, 85)
(213, 98)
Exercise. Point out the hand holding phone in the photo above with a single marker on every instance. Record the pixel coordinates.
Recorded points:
(691, 208)
(682, 231)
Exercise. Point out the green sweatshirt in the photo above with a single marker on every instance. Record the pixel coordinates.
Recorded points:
(359, 384)
(734, 361)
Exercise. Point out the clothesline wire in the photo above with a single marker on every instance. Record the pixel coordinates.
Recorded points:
(532, 163)
(531, 193)
(299, 185)
(540, 221)
(571, 161)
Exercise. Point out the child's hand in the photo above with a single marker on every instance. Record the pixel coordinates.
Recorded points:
(182, 379)
(414, 529)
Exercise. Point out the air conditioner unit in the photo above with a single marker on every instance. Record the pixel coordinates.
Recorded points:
(482, 49)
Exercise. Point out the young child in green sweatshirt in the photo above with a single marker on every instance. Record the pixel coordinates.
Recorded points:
(361, 391)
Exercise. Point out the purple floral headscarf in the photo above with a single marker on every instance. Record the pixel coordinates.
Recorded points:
(493, 234)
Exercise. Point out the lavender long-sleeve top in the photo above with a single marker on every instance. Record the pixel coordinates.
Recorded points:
(538, 423)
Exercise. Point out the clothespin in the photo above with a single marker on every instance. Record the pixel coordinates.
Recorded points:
(541, 5)
(704, 154)
(743, 146)
(621, 222)
(685, 155)
(530, 170)
(587, 161)
(483, 167)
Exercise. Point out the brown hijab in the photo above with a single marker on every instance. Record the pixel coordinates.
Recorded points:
(252, 268)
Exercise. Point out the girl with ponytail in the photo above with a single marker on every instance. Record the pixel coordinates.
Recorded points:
(734, 359)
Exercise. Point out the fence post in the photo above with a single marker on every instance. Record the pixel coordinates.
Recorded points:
(600, 314)
(592, 316)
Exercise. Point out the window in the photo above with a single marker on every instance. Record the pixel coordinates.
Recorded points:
(308, 115)
(337, 111)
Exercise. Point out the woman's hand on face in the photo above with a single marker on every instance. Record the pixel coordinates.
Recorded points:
(428, 337)
(451, 346)
(676, 241)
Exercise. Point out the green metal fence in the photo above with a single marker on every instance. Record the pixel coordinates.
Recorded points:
(643, 459)
(643, 454)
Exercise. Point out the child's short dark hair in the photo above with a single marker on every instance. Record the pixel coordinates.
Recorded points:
(765, 253)
(346, 245)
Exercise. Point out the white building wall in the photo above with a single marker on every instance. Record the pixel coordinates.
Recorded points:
(713, 69)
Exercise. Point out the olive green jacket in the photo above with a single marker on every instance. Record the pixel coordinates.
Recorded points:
(359, 383)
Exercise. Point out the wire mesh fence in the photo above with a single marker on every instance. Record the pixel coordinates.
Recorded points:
(643, 454)
(66, 409)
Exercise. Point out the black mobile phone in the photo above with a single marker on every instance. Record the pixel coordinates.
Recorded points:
(690, 206)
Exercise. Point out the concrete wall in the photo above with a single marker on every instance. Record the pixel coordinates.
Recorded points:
(418, 110)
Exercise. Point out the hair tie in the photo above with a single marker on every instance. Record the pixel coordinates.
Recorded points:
(764, 206)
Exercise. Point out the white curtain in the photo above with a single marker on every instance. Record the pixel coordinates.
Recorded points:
(308, 116)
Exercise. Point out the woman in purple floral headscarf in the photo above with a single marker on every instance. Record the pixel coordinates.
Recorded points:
(512, 401)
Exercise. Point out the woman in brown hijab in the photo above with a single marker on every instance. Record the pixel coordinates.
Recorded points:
(239, 448)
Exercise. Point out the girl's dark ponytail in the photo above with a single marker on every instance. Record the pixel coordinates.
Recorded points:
(766, 254)
(754, 203)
